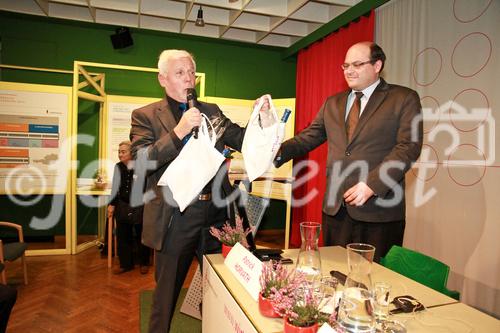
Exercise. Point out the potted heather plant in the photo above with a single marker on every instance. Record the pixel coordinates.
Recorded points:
(273, 278)
(300, 309)
(230, 235)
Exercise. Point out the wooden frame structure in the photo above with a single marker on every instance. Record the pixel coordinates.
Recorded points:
(97, 81)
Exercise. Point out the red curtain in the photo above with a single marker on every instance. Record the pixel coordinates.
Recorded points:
(318, 76)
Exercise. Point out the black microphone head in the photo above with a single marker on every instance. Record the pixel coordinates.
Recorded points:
(191, 98)
(191, 94)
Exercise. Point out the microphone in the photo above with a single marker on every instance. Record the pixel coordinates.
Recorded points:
(191, 98)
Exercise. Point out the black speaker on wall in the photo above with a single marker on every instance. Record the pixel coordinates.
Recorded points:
(122, 38)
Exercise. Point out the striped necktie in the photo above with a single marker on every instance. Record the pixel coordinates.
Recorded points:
(353, 117)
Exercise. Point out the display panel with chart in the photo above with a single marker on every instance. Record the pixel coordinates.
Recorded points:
(34, 156)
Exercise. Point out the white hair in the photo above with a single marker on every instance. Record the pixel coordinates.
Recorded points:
(125, 143)
(167, 55)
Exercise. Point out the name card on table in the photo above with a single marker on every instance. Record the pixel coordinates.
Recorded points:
(246, 268)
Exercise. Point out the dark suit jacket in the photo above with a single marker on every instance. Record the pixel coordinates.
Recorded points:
(153, 142)
(383, 133)
(121, 189)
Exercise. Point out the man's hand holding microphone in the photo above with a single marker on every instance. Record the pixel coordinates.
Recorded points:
(191, 119)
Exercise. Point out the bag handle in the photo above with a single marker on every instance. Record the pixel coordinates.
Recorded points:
(204, 128)
(259, 105)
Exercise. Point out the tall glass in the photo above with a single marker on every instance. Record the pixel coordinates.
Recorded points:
(356, 315)
(328, 292)
(309, 260)
(381, 301)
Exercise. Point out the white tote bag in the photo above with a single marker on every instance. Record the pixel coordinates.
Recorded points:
(261, 143)
(192, 169)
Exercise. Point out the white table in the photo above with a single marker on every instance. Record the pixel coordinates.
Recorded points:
(227, 307)
(457, 318)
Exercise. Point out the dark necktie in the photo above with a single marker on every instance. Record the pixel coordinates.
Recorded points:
(183, 108)
(353, 117)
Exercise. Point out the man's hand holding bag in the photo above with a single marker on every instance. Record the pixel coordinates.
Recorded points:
(263, 137)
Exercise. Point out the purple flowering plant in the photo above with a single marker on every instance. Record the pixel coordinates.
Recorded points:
(301, 307)
(290, 294)
(275, 277)
(230, 235)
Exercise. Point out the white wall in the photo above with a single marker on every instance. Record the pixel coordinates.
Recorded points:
(449, 52)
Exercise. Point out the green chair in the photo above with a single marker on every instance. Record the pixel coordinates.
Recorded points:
(419, 267)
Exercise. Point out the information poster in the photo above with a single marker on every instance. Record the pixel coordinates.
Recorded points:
(34, 155)
(119, 111)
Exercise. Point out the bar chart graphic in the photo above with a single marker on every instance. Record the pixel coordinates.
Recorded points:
(34, 141)
(21, 134)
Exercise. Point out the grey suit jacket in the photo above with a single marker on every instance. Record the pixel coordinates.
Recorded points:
(154, 148)
(383, 134)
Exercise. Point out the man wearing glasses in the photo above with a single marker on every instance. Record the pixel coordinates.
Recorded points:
(374, 134)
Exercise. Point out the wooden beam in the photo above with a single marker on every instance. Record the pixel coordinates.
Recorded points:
(96, 78)
(44, 6)
(91, 81)
(121, 67)
(36, 69)
(91, 97)
(92, 10)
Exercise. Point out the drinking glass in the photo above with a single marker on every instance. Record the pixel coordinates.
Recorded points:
(328, 291)
(381, 302)
(381, 292)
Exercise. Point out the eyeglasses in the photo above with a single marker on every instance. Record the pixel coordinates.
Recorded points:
(357, 64)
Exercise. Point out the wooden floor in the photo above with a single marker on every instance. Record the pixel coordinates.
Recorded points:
(78, 293)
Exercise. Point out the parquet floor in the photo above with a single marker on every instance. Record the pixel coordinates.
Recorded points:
(78, 293)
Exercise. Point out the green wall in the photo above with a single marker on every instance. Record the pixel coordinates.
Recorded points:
(233, 69)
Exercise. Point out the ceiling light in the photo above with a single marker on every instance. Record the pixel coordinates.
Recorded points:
(199, 19)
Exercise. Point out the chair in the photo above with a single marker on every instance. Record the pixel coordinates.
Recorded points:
(255, 207)
(419, 267)
(12, 251)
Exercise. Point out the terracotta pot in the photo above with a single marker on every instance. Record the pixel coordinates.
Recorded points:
(100, 185)
(289, 328)
(266, 307)
(225, 250)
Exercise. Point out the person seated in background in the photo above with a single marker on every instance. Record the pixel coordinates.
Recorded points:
(128, 218)
(8, 297)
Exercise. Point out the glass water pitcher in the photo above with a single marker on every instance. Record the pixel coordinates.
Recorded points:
(309, 260)
(355, 311)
